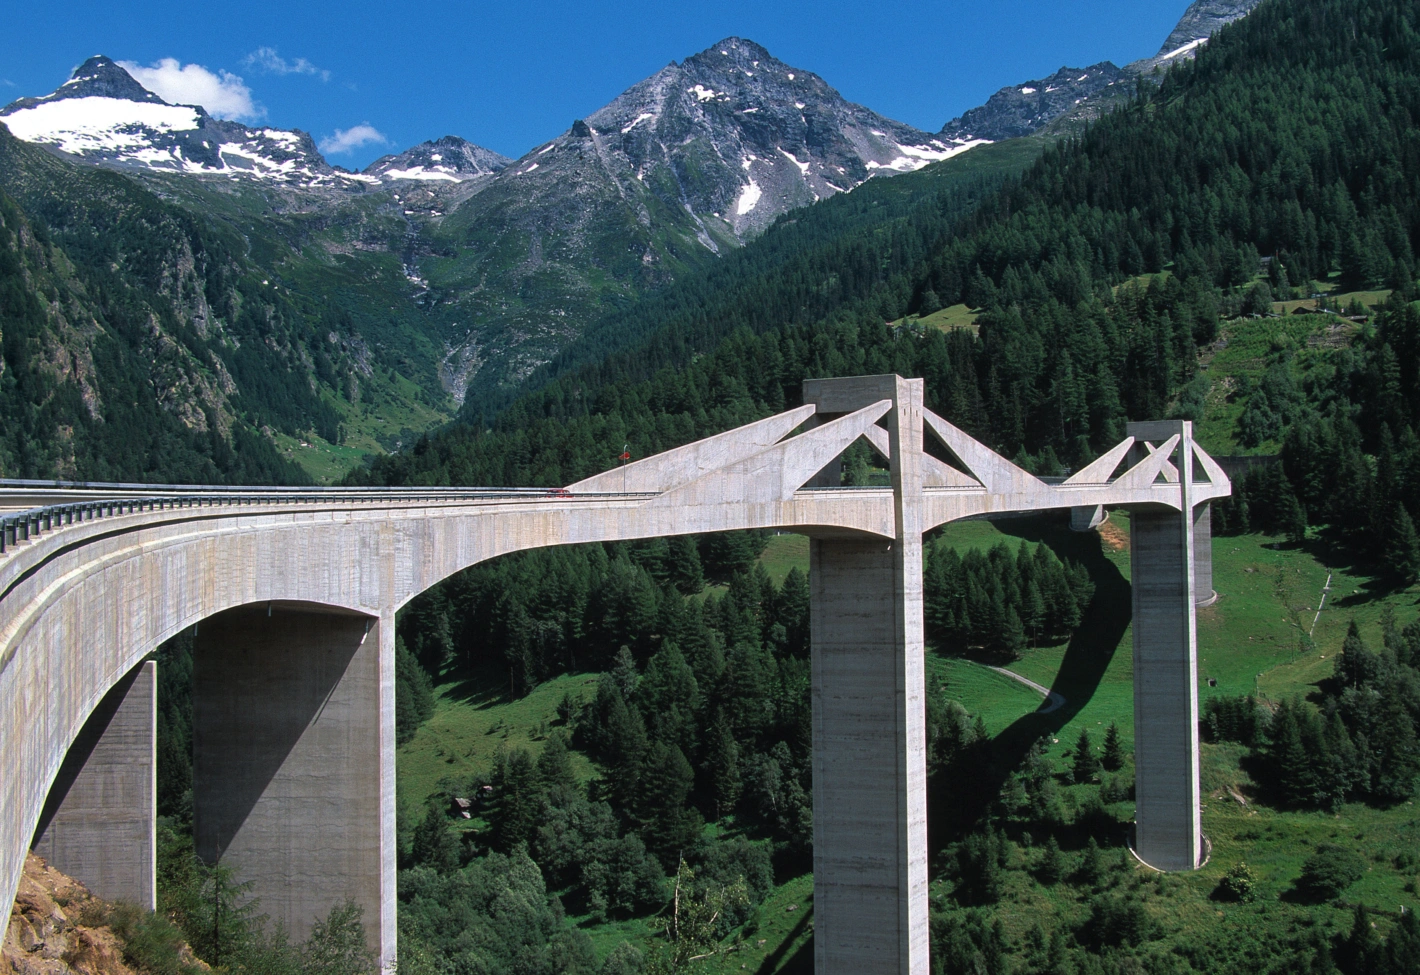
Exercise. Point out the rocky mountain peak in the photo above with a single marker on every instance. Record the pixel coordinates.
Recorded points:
(102, 115)
(102, 76)
(735, 137)
(1199, 22)
(1025, 108)
(450, 160)
(1203, 19)
(98, 77)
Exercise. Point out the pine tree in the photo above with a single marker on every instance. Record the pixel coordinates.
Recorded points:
(434, 845)
(1402, 546)
(518, 795)
(1356, 665)
(1398, 770)
(1113, 757)
(669, 696)
(683, 559)
(1052, 863)
(722, 758)
(554, 767)
(1013, 634)
(667, 825)
(1292, 769)
(1087, 765)
(1091, 864)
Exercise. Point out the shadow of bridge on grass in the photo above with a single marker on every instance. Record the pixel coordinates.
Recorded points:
(1087, 657)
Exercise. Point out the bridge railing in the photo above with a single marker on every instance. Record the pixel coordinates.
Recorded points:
(30, 524)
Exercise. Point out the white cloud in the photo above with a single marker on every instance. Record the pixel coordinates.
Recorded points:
(223, 94)
(266, 59)
(348, 140)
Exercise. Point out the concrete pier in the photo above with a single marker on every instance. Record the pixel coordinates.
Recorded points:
(1203, 593)
(288, 759)
(99, 819)
(869, 718)
(1167, 825)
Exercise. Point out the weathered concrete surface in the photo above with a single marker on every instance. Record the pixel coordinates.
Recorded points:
(289, 746)
(98, 825)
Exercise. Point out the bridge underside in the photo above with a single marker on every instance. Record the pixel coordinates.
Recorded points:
(294, 677)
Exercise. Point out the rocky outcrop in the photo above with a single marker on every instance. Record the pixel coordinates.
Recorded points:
(57, 927)
(1025, 108)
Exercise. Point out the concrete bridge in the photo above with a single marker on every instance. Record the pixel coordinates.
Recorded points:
(293, 594)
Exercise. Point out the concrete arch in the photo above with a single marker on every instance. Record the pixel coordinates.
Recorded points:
(67, 642)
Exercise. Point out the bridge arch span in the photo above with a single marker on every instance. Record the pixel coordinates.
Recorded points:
(294, 596)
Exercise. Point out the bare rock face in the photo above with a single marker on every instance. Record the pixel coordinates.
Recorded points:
(446, 160)
(1205, 18)
(1025, 108)
(51, 930)
(1199, 22)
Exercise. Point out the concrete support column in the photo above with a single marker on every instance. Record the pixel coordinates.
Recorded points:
(869, 719)
(1167, 825)
(293, 763)
(99, 820)
(1203, 555)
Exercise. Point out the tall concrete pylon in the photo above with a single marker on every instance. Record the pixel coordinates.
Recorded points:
(1168, 555)
(295, 593)
(869, 711)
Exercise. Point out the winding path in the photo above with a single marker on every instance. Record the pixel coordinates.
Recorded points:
(1054, 701)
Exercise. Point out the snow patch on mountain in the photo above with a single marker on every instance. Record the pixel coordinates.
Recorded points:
(1187, 48)
(98, 124)
(749, 198)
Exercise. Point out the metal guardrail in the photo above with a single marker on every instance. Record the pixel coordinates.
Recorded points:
(24, 526)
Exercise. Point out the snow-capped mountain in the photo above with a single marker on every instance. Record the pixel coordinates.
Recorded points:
(102, 115)
(735, 136)
(446, 160)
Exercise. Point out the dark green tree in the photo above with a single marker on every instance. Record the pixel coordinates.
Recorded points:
(1113, 755)
(1087, 764)
(1402, 546)
(435, 846)
(668, 825)
(683, 559)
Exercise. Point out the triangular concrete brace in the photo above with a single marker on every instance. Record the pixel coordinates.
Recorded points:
(682, 465)
(1144, 473)
(1212, 470)
(1098, 470)
(775, 474)
(934, 472)
(997, 474)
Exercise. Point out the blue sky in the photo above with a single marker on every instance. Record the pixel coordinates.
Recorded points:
(509, 75)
